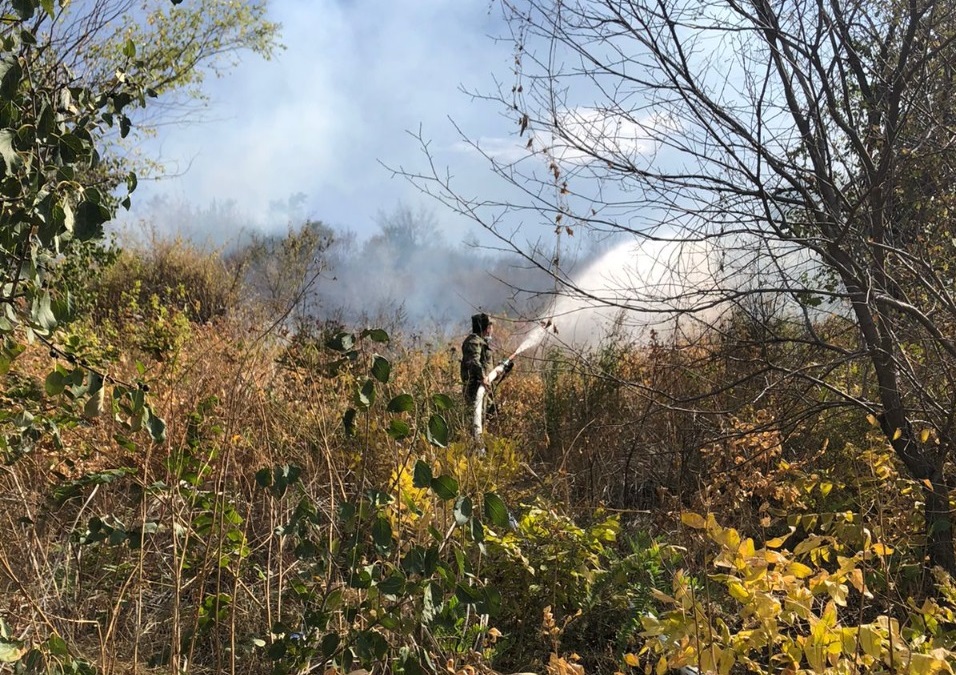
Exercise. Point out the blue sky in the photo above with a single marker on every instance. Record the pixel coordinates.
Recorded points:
(323, 116)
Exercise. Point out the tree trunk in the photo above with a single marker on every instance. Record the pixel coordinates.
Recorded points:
(939, 524)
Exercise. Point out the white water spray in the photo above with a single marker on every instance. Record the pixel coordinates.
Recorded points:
(635, 287)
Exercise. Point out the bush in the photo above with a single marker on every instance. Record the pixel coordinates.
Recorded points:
(170, 274)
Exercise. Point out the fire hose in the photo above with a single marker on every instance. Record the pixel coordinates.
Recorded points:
(497, 374)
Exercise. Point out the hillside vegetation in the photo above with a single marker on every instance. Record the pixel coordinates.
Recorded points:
(202, 472)
(190, 485)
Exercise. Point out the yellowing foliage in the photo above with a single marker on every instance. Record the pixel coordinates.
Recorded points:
(789, 615)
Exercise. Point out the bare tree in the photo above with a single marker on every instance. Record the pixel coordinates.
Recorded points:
(797, 148)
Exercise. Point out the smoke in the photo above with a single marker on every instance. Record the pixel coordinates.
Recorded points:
(645, 288)
(408, 274)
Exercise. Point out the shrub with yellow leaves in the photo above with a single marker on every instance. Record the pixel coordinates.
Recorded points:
(768, 609)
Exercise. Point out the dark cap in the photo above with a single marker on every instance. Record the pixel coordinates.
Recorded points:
(480, 323)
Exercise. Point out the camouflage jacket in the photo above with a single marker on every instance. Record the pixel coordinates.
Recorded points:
(475, 358)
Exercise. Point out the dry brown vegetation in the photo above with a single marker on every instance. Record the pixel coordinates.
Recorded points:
(261, 536)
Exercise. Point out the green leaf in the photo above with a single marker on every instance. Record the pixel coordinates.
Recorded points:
(348, 420)
(264, 478)
(422, 477)
(125, 126)
(442, 402)
(437, 431)
(62, 307)
(129, 49)
(10, 652)
(55, 383)
(88, 219)
(42, 314)
(375, 335)
(57, 646)
(329, 643)
(25, 8)
(477, 531)
(401, 403)
(491, 603)
(341, 342)
(468, 595)
(398, 430)
(10, 157)
(412, 666)
(157, 427)
(463, 508)
(10, 74)
(94, 404)
(393, 585)
(365, 397)
(382, 533)
(495, 510)
(445, 487)
(381, 369)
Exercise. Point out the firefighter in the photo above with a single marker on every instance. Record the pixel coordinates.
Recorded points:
(477, 373)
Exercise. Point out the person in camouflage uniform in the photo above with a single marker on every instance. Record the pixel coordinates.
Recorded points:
(476, 366)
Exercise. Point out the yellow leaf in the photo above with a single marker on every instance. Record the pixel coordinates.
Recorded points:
(799, 570)
(738, 591)
(871, 641)
(924, 664)
(662, 597)
(808, 544)
(694, 520)
(777, 542)
(872, 420)
(856, 579)
(632, 660)
(897, 434)
(726, 662)
(924, 435)
(881, 549)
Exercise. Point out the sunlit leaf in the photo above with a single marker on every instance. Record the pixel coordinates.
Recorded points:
(693, 520)
(462, 510)
(799, 570)
(365, 397)
(10, 652)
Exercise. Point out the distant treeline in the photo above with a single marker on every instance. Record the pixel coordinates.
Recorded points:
(407, 274)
